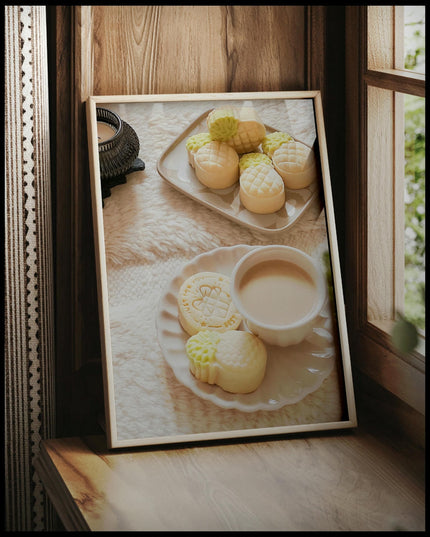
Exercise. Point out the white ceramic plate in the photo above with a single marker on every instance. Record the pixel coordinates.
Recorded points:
(173, 166)
(291, 372)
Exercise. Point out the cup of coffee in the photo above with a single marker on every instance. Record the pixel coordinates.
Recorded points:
(279, 291)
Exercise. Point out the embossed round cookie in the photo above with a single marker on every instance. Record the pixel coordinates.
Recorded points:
(204, 303)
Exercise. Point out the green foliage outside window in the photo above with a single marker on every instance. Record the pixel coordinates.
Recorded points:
(404, 335)
(415, 210)
(415, 172)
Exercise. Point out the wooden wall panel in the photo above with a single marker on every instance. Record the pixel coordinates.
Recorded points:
(192, 49)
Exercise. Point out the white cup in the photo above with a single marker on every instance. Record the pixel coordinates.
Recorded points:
(292, 332)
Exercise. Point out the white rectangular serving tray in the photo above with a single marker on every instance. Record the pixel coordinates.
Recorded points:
(173, 166)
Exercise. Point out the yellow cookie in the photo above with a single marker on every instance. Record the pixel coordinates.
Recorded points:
(204, 303)
(222, 123)
(273, 141)
(216, 165)
(194, 143)
(295, 163)
(235, 360)
(252, 159)
(261, 190)
(250, 131)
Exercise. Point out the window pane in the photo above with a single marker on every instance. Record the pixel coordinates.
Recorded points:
(414, 307)
(414, 38)
(396, 207)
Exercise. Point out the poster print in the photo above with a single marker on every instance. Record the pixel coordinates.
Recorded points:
(172, 373)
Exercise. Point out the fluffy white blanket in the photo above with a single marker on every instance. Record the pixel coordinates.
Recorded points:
(150, 231)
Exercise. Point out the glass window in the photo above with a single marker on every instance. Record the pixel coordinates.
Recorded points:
(414, 38)
(396, 167)
(385, 165)
(414, 199)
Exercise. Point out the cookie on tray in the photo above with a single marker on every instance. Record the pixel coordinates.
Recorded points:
(252, 159)
(216, 165)
(250, 131)
(262, 189)
(194, 143)
(273, 141)
(223, 123)
(295, 163)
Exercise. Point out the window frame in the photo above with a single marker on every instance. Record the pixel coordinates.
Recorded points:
(371, 349)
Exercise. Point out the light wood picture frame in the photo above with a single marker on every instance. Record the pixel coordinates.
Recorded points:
(162, 225)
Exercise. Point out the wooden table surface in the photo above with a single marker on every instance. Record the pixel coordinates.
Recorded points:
(347, 480)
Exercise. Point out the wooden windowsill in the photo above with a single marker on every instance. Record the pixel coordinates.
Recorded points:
(347, 481)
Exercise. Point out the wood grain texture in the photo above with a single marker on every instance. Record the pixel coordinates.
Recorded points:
(196, 49)
(329, 483)
(380, 230)
(380, 42)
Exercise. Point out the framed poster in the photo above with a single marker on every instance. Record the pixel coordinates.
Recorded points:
(211, 179)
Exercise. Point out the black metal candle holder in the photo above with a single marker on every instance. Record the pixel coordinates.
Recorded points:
(118, 155)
